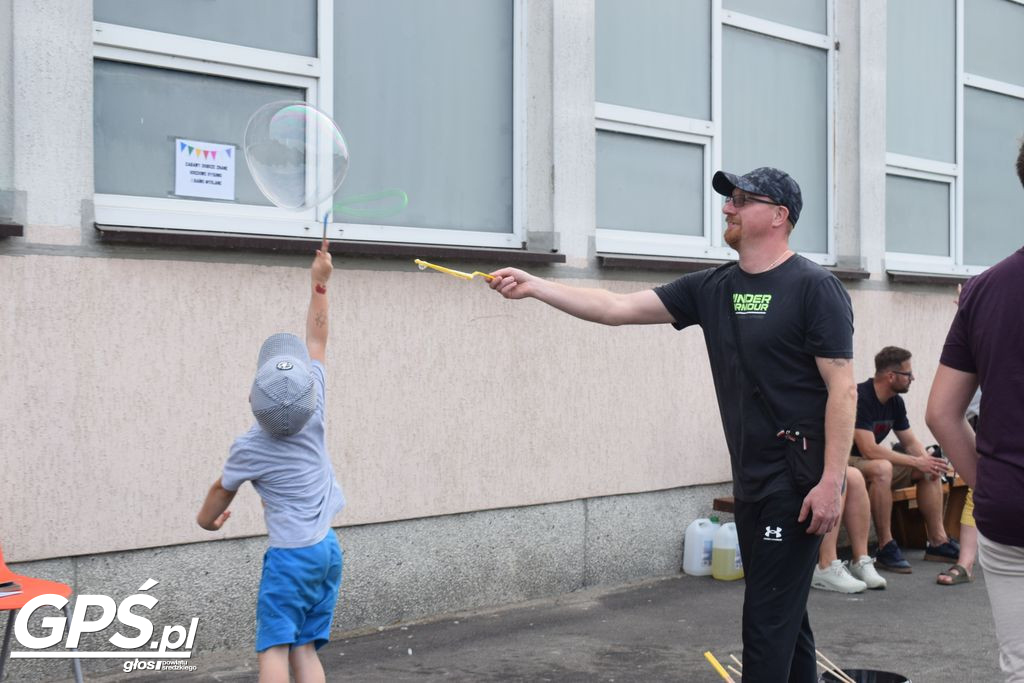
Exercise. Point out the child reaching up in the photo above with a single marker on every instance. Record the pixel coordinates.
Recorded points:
(284, 455)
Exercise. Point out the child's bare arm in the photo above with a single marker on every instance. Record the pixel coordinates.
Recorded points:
(214, 511)
(316, 319)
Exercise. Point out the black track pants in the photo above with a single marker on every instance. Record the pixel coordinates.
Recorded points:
(779, 557)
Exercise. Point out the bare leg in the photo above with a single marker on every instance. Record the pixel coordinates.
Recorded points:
(929, 501)
(857, 513)
(306, 664)
(968, 554)
(274, 664)
(968, 547)
(878, 474)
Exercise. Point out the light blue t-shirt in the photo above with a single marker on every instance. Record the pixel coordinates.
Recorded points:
(293, 476)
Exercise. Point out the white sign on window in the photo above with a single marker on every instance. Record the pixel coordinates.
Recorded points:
(204, 169)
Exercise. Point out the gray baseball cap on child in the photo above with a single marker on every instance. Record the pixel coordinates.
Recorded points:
(283, 395)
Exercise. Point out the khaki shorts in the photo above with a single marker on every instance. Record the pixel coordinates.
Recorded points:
(902, 476)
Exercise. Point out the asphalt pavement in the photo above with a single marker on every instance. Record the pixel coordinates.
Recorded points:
(656, 630)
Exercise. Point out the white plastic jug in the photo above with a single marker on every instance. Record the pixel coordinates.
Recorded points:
(726, 563)
(697, 544)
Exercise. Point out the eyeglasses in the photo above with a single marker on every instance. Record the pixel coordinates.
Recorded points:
(739, 200)
(908, 375)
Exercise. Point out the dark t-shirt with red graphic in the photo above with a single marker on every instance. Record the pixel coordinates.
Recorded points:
(877, 417)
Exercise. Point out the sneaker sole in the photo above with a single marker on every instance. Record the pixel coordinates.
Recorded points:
(833, 589)
(897, 570)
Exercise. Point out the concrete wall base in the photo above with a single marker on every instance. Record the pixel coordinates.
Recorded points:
(394, 572)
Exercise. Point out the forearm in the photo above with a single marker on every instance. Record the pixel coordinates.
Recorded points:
(951, 393)
(602, 306)
(217, 501)
(840, 413)
(880, 452)
(585, 303)
(316, 320)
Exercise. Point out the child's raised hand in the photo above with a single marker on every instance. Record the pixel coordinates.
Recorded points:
(322, 265)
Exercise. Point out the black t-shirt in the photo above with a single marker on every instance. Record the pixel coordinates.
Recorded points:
(787, 317)
(877, 417)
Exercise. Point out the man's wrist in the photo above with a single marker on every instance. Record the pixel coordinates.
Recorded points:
(320, 287)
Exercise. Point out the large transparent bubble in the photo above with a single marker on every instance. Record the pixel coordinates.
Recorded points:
(296, 154)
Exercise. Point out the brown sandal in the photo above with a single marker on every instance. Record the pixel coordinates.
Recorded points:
(956, 574)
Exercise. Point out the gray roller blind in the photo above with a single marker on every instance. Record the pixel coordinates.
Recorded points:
(655, 55)
(917, 217)
(994, 37)
(423, 95)
(265, 24)
(810, 15)
(993, 200)
(921, 79)
(649, 184)
(139, 110)
(778, 117)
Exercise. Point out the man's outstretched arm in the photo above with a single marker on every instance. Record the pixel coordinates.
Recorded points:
(594, 305)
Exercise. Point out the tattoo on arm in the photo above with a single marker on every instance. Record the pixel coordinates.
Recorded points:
(320, 319)
(838, 362)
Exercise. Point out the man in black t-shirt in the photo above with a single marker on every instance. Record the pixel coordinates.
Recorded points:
(880, 409)
(791, 322)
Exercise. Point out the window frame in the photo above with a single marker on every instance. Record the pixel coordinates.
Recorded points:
(929, 169)
(315, 75)
(708, 133)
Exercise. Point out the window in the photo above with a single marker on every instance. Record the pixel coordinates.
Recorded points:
(955, 107)
(675, 83)
(426, 95)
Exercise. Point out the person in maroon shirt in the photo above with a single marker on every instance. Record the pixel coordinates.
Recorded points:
(983, 347)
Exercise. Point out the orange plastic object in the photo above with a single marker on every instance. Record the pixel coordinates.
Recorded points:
(30, 587)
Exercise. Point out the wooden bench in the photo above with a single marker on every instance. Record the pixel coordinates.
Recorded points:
(907, 524)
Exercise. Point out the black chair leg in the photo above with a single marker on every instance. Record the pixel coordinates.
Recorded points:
(76, 666)
(6, 649)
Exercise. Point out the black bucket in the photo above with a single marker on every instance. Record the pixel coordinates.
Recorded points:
(866, 676)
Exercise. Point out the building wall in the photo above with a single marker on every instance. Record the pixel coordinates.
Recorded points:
(490, 450)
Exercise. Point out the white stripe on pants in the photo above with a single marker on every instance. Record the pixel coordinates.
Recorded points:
(1004, 578)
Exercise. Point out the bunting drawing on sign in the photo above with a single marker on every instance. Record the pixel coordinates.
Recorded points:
(198, 172)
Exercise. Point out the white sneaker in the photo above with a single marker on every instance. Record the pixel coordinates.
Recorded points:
(864, 569)
(836, 578)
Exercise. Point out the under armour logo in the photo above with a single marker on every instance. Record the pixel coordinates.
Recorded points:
(773, 534)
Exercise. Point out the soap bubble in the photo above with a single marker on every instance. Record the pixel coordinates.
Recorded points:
(296, 154)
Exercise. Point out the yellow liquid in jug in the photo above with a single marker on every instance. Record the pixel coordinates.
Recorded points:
(723, 564)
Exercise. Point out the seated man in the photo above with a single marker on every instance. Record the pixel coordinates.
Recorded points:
(880, 408)
(833, 575)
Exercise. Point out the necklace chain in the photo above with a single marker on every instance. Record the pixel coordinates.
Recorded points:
(775, 262)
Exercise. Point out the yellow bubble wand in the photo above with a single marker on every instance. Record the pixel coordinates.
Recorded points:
(457, 273)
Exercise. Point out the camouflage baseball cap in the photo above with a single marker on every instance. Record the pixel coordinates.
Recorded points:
(767, 181)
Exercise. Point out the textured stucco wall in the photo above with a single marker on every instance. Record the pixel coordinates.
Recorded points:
(6, 108)
(127, 380)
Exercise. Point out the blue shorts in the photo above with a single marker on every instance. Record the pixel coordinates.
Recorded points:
(298, 591)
